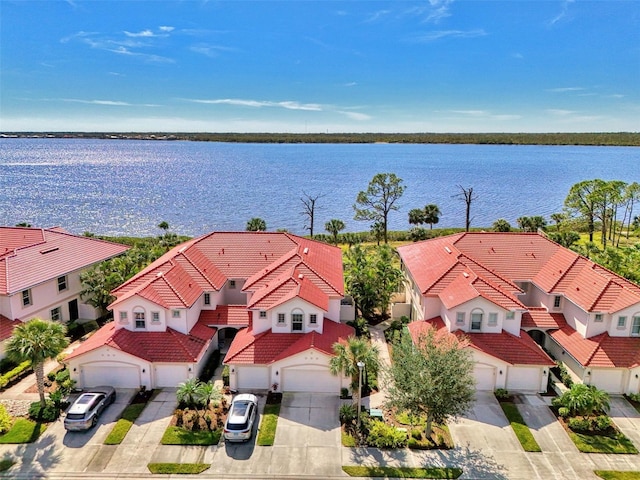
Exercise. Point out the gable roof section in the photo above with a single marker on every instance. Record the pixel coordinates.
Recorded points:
(6, 327)
(286, 288)
(539, 317)
(601, 350)
(268, 347)
(167, 346)
(504, 346)
(30, 256)
(501, 259)
(180, 276)
(226, 315)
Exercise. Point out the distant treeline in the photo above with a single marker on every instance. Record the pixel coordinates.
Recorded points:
(591, 139)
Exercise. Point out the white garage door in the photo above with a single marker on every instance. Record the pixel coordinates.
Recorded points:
(252, 378)
(123, 376)
(524, 379)
(171, 375)
(609, 380)
(318, 380)
(485, 376)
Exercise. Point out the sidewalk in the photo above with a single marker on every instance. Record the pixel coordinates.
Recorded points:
(378, 399)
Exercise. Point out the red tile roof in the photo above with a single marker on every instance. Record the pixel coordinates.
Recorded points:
(6, 327)
(501, 259)
(601, 350)
(231, 315)
(539, 317)
(504, 346)
(268, 347)
(168, 346)
(179, 277)
(30, 256)
(288, 287)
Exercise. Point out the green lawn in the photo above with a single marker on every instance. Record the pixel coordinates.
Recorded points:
(123, 425)
(616, 443)
(617, 475)
(525, 437)
(23, 431)
(178, 468)
(268, 424)
(180, 436)
(402, 472)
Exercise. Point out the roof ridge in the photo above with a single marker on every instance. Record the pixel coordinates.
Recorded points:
(318, 274)
(173, 289)
(493, 272)
(497, 289)
(192, 263)
(451, 267)
(599, 296)
(566, 271)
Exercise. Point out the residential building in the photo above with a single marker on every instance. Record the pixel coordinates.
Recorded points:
(276, 295)
(40, 275)
(511, 294)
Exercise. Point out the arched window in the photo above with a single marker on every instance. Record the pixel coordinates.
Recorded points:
(139, 317)
(476, 319)
(297, 319)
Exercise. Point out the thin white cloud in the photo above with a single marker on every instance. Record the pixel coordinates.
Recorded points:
(375, 16)
(165, 28)
(565, 89)
(143, 33)
(439, 34)
(354, 115)
(440, 10)
(110, 103)
(210, 50)
(563, 12)
(559, 112)
(485, 114)
(350, 84)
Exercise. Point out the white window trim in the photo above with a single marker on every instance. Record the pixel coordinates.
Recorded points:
(232, 284)
(598, 317)
(282, 319)
(510, 315)
(59, 314)
(153, 317)
(65, 280)
(557, 301)
(262, 314)
(313, 319)
(476, 312)
(622, 322)
(175, 313)
(26, 295)
(124, 317)
(295, 323)
(492, 320)
(635, 318)
(461, 318)
(207, 299)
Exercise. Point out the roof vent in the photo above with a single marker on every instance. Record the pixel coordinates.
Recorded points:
(300, 276)
(306, 250)
(466, 275)
(447, 249)
(54, 249)
(159, 274)
(182, 249)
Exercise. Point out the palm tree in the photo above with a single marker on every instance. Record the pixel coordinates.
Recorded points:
(501, 225)
(256, 224)
(189, 393)
(334, 226)
(37, 341)
(585, 400)
(431, 214)
(348, 354)
(416, 216)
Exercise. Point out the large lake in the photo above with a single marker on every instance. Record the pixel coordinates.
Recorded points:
(116, 187)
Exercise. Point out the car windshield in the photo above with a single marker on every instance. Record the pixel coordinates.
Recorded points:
(239, 409)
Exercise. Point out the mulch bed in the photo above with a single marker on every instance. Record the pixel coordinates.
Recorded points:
(273, 398)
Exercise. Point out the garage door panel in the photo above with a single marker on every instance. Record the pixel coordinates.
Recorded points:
(317, 380)
(171, 375)
(524, 378)
(485, 377)
(116, 376)
(253, 378)
(609, 381)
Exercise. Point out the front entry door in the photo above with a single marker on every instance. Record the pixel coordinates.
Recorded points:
(73, 310)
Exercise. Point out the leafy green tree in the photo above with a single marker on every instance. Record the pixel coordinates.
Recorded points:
(256, 224)
(379, 199)
(387, 275)
(558, 218)
(581, 200)
(348, 354)
(164, 226)
(584, 400)
(416, 216)
(37, 341)
(431, 214)
(431, 378)
(501, 225)
(566, 239)
(334, 227)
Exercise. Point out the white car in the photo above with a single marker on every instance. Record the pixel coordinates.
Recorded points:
(241, 418)
(84, 412)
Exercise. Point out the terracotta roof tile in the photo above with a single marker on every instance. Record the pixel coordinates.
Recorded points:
(541, 318)
(520, 350)
(268, 347)
(601, 350)
(231, 315)
(6, 327)
(168, 346)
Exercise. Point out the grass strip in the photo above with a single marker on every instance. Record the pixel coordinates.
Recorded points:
(180, 436)
(525, 437)
(178, 468)
(617, 475)
(403, 472)
(268, 424)
(23, 431)
(6, 464)
(122, 426)
(588, 443)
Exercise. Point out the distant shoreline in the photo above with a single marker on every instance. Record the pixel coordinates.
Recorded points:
(617, 139)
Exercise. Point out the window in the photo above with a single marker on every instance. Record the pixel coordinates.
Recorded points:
(622, 322)
(232, 284)
(140, 319)
(296, 322)
(313, 319)
(123, 317)
(207, 299)
(155, 317)
(26, 298)
(598, 317)
(556, 301)
(635, 327)
(281, 318)
(460, 317)
(56, 314)
(476, 320)
(493, 319)
(511, 315)
(263, 314)
(62, 283)
(175, 313)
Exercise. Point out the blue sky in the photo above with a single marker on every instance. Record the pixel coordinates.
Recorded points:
(320, 66)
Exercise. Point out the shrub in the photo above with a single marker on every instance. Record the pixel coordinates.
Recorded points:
(225, 376)
(63, 375)
(416, 433)
(344, 392)
(51, 376)
(7, 364)
(578, 424)
(14, 373)
(565, 378)
(602, 423)
(501, 393)
(563, 412)
(635, 397)
(348, 413)
(48, 413)
(361, 327)
(418, 233)
(382, 435)
(5, 420)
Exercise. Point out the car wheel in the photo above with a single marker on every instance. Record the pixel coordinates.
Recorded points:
(94, 421)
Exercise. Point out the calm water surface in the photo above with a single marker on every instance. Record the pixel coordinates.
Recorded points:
(127, 187)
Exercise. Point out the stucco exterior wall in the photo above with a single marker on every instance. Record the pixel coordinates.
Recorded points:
(113, 359)
(477, 305)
